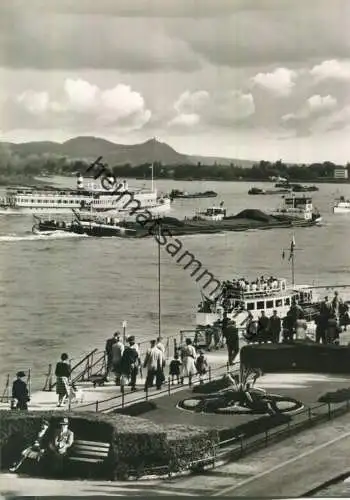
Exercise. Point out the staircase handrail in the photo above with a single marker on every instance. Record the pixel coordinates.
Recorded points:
(83, 360)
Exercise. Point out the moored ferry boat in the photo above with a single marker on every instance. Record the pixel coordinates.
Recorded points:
(297, 208)
(241, 299)
(341, 206)
(25, 200)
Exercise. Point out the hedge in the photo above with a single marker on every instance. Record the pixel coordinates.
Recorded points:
(254, 427)
(134, 441)
(188, 444)
(309, 357)
(338, 396)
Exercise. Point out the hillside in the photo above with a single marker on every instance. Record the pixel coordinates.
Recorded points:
(90, 148)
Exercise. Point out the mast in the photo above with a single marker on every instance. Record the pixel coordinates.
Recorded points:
(292, 259)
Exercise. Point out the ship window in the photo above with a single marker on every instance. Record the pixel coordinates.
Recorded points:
(278, 303)
(269, 304)
(260, 304)
(287, 301)
(65, 201)
(250, 306)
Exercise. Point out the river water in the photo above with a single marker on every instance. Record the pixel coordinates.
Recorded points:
(69, 294)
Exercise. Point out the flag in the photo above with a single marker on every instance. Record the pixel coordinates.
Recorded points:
(292, 246)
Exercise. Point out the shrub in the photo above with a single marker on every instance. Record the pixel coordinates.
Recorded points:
(254, 427)
(188, 444)
(212, 386)
(308, 357)
(137, 409)
(338, 396)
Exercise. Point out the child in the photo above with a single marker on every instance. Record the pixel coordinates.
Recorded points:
(201, 366)
(174, 368)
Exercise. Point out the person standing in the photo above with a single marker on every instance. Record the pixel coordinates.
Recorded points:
(232, 341)
(201, 365)
(174, 368)
(275, 327)
(153, 363)
(20, 394)
(263, 327)
(130, 363)
(108, 350)
(62, 373)
(189, 358)
(161, 347)
(117, 354)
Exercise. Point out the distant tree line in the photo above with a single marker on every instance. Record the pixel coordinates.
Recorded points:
(14, 165)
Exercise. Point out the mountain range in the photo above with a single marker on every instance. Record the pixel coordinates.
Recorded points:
(89, 148)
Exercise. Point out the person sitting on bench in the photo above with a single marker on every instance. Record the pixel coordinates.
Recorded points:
(62, 440)
(36, 450)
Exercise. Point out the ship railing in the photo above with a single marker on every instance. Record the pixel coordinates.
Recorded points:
(120, 401)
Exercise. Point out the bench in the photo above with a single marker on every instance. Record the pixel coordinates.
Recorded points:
(88, 456)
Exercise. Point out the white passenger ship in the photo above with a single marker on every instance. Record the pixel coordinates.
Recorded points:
(341, 206)
(240, 298)
(24, 200)
(297, 208)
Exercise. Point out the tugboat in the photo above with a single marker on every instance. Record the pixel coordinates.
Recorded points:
(298, 209)
(341, 206)
(256, 190)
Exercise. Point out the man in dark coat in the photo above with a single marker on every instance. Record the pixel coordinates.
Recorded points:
(230, 333)
(130, 363)
(20, 392)
(263, 327)
(108, 350)
(275, 327)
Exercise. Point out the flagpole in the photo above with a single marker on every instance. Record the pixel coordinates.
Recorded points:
(152, 185)
(293, 269)
(159, 296)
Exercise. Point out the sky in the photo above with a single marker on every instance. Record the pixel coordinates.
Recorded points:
(253, 79)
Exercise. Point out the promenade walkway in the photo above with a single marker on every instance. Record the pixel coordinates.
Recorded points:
(290, 468)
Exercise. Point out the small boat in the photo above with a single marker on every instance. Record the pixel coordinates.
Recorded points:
(297, 209)
(175, 193)
(341, 206)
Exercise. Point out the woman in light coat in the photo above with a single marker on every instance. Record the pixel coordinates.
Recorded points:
(189, 356)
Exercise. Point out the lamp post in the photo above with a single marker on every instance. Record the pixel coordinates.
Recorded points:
(159, 295)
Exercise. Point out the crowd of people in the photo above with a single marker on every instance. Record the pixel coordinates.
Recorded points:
(260, 284)
(125, 363)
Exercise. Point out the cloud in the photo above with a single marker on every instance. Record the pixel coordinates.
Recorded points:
(216, 108)
(280, 82)
(314, 106)
(331, 70)
(81, 102)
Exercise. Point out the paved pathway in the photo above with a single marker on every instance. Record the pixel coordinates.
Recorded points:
(289, 468)
(47, 400)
